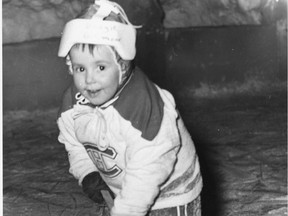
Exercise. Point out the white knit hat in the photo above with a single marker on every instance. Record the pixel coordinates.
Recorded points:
(99, 31)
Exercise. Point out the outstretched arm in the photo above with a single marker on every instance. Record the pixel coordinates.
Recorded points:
(80, 162)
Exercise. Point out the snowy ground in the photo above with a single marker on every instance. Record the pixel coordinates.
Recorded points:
(241, 141)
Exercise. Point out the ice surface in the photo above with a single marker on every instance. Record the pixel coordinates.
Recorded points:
(241, 141)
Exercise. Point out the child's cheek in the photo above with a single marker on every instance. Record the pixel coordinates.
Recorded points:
(79, 83)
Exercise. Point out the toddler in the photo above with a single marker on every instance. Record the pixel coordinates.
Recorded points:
(122, 132)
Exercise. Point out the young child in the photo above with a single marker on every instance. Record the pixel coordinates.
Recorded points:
(121, 131)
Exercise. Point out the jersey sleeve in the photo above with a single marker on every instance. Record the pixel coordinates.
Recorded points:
(79, 160)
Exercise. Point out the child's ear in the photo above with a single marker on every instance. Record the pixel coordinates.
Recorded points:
(124, 65)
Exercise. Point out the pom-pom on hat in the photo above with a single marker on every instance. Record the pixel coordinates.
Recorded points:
(122, 36)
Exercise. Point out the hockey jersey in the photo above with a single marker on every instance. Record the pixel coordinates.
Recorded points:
(138, 143)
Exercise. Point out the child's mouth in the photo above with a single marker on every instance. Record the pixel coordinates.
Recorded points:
(93, 93)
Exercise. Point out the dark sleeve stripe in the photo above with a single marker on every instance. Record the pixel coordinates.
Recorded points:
(141, 104)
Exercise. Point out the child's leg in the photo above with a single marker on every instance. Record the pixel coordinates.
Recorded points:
(191, 209)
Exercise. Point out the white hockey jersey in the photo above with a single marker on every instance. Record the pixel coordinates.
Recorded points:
(137, 142)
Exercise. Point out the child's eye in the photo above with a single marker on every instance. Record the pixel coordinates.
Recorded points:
(80, 69)
(101, 68)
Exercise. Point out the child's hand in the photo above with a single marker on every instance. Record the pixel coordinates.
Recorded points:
(92, 185)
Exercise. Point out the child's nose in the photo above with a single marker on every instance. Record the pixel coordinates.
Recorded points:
(91, 77)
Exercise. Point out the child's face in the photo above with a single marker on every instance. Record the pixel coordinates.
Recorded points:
(95, 76)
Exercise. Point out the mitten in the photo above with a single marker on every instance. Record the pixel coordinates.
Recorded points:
(92, 185)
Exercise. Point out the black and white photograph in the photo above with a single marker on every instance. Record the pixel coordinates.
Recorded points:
(144, 108)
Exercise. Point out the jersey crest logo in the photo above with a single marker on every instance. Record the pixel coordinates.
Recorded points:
(97, 156)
